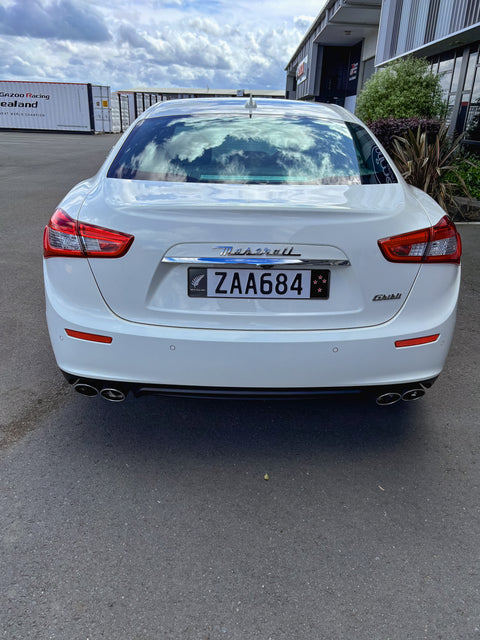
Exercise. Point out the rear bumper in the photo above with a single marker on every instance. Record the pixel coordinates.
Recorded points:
(149, 356)
(244, 393)
(384, 394)
(184, 360)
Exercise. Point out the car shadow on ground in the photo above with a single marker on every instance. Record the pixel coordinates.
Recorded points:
(235, 428)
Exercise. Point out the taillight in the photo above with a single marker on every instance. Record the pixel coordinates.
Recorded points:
(66, 237)
(440, 243)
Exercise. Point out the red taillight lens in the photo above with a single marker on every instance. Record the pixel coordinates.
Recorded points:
(66, 237)
(440, 243)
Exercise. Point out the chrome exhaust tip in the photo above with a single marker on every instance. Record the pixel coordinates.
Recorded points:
(112, 394)
(388, 398)
(413, 394)
(85, 389)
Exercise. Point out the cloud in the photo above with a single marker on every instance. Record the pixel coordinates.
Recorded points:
(129, 35)
(59, 20)
(206, 25)
(154, 43)
(303, 22)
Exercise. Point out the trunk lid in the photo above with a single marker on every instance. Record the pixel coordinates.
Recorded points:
(331, 229)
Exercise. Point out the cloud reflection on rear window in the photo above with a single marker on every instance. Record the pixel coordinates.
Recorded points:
(243, 150)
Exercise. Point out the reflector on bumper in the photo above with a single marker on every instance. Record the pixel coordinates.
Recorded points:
(412, 342)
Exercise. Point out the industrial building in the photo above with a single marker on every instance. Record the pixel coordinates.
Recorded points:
(350, 39)
(337, 54)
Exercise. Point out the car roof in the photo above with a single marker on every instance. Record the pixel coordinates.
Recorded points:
(196, 106)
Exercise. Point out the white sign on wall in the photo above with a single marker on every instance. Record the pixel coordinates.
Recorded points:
(44, 105)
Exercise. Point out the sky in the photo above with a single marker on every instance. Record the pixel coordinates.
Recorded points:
(126, 44)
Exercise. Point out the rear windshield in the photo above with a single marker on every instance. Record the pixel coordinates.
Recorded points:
(257, 150)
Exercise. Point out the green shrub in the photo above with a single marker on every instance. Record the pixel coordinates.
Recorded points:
(431, 166)
(467, 168)
(387, 129)
(405, 88)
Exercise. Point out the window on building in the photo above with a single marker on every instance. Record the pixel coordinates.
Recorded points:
(368, 69)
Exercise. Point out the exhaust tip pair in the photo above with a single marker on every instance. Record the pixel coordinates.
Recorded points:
(112, 394)
(392, 397)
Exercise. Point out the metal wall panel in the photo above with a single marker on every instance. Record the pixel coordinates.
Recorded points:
(420, 26)
(397, 17)
(407, 25)
(384, 28)
(403, 25)
(472, 11)
(445, 11)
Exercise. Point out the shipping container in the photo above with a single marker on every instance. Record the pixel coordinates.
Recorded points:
(121, 113)
(55, 106)
(102, 109)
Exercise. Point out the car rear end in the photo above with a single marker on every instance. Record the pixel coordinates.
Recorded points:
(224, 250)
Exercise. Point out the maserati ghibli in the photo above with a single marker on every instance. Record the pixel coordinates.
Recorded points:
(260, 248)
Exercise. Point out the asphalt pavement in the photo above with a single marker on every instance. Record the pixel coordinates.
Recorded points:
(237, 520)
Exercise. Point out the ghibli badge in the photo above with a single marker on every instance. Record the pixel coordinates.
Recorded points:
(381, 297)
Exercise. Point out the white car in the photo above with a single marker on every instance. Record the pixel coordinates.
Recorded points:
(267, 248)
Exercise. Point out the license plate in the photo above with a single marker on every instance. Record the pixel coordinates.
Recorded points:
(258, 283)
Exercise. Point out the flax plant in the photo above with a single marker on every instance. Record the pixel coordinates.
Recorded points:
(430, 166)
